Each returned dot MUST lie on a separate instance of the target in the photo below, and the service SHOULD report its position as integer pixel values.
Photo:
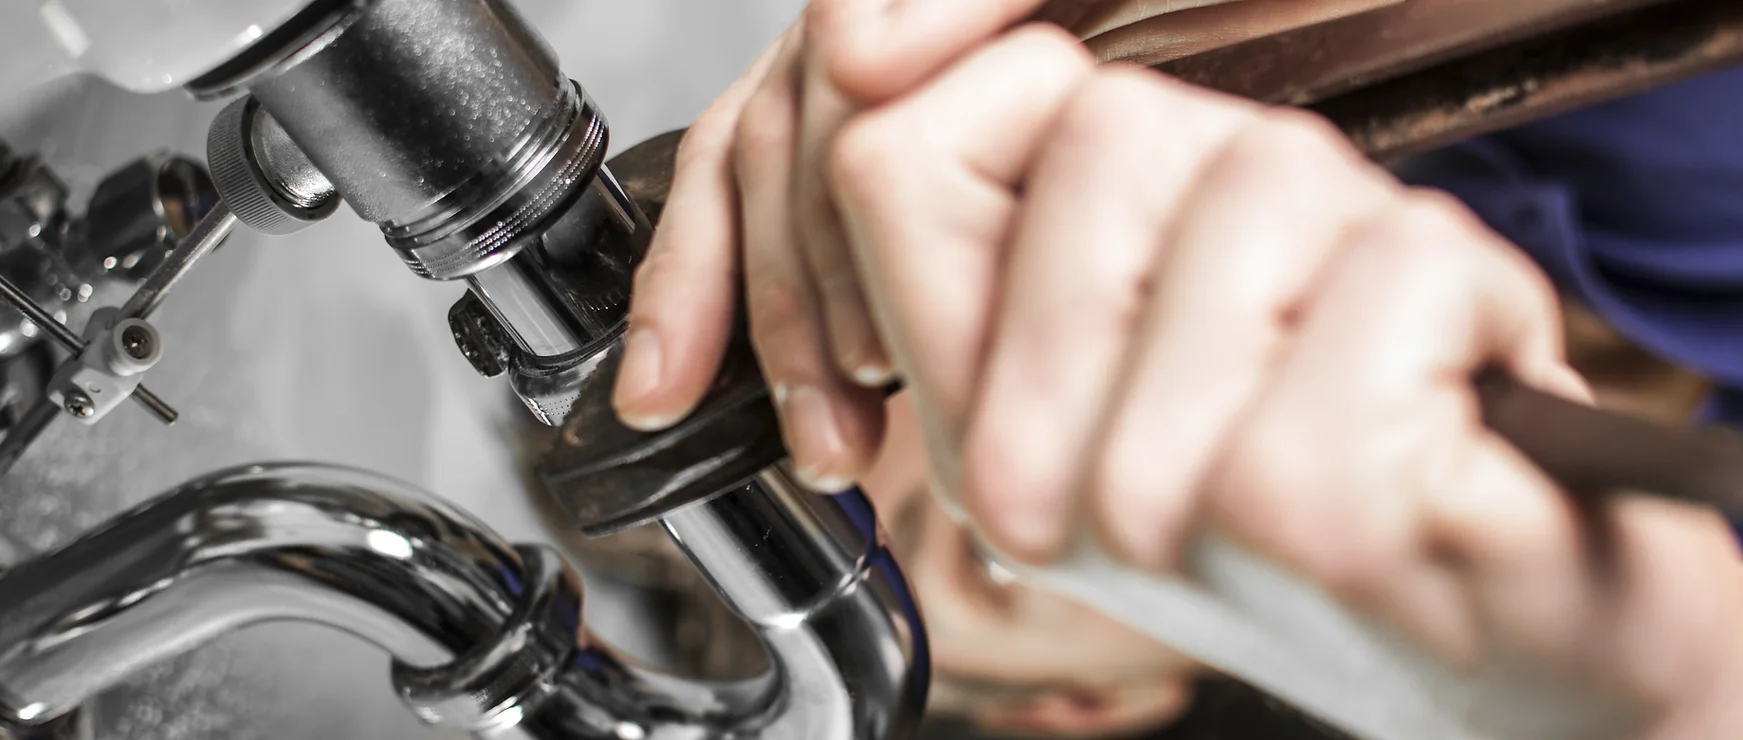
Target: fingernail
(874, 375)
(638, 379)
(815, 436)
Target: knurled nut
(241, 184)
(479, 336)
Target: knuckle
(712, 134)
(1109, 127)
(1426, 208)
(1279, 490)
(867, 151)
(1294, 141)
(1126, 486)
(717, 119)
(1117, 295)
(1320, 501)
(1122, 478)
(1110, 107)
(989, 476)
(1431, 241)
(1260, 462)
(666, 268)
(1433, 217)
(666, 286)
(1309, 127)
(1050, 43)
(705, 141)
(822, 14)
(1352, 572)
(1422, 237)
(837, 280)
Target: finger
(989, 628)
(853, 340)
(1127, 147)
(875, 50)
(897, 477)
(1648, 591)
(1372, 424)
(829, 425)
(682, 306)
(926, 188)
(1253, 239)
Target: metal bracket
(117, 353)
(122, 346)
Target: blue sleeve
(1635, 208)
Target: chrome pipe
(73, 726)
(485, 637)
(211, 231)
(447, 123)
(527, 309)
(355, 551)
(812, 577)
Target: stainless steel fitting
(448, 123)
(265, 179)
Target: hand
(749, 196)
(1000, 651)
(1134, 309)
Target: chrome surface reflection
(812, 577)
(485, 637)
(331, 546)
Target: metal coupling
(447, 123)
(140, 212)
(505, 679)
(263, 176)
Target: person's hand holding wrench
(1132, 310)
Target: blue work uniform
(1634, 208)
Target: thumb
(875, 50)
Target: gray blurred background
(320, 346)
